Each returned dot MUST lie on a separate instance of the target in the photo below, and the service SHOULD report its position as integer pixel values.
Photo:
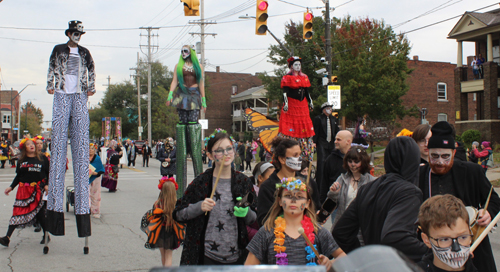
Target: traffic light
(261, 17)
(191, 7)
(308, 25)
(334, 79)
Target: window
(6, 119)
(474, 97)
(442, 117)
(441, 90)
(234, 89)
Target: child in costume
(279, 241)
(162, 230)
(216, 232)
(444, 222)
(295, 122)
(31, 175)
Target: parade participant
(131, 154)
(279, 241)
(4, 152)
(386, 209)
(467, 181)
(421, 134)
(483, 155)
(445, 229)
(110, 178)
(261, 172)
(162, 230)
(121, 149)
(286, 161)
(302, 175)
(216, 231)
(343, 191)
(146, 153)
(360, 133)
(333, 163)
(31, 176)
(325, 129)
(95, 181)
(187, 94)
(39, 141)
(167, 157)
(295, 122)
(71, 79)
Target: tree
(31, 119)
(368, 58)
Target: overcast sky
(24, 53)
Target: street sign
(334, 96)
(203, 123)
(140, 130)
(15, 129)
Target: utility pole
(328, 42)
(202, 34)
(138, 81)
(149, 29)
(109, 82)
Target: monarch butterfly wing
(267, 128)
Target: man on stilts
(187, 94)
(71, 80)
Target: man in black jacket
(325, 129)
(333, 163)
(386, 209)
(464, 180)
(146, 153)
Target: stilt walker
(187, 94)
(295, 121)
(71, 80)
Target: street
(116, 244)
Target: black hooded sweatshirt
(386, 209)
(331, 171)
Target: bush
(470, 136)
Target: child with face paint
(295, 122)
(286, 161)
(216, 232)
(279, 241)
(445, 229)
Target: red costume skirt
(27, 205)
(296, 122)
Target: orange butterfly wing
(268, 129)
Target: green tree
(31, 119)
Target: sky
(29, 29)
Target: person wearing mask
(286, 161)
(467, 181)
(386, 209)
(333, 163)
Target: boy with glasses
(443, 220)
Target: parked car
(138, 145)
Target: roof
(486, 18)
(248, 92)
(473, 25)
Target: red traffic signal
(307, 29)
(261, 17)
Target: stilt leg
(194, 141)
(181, 152)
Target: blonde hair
(166, 201)
(276, 209)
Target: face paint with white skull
(186, 52)
(453, 256)
(296, 66)
(294, 163)
(440, 160)
(75, 37)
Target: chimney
(217, 69)
(415, 58)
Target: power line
(242, 60)
(160, 12)
(252, 65)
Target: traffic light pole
(282, 45)
(328, 42)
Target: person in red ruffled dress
(295, 122)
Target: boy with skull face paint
(187, 94)
(443, 220)
(295, 122)
(466, 181)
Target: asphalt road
(116, 244)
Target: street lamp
(19, 111)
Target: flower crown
(292, 184)
(39, 137)
(165, 179)
(217, 130)
(23, 141)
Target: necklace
(279, 228)
(188, 68)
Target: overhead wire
(160, 12)
(242, 60)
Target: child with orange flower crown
(279, 242)
(162, 230)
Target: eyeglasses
(229, 151)
(443, 242)
(443, 156)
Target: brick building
(222, 86)
(9, 106)
(431, 90)
(483, 29)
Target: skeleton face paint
(296, 66)
(186, 52)
(453, 256)
(440, 160)
(294, 163)
(75, 37)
